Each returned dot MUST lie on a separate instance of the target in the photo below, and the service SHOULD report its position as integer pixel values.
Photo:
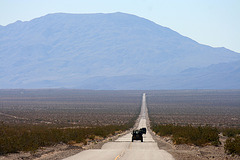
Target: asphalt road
(124, 149)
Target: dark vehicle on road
(137, 135)
(143, 130)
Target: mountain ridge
(65, 50)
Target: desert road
(124, 149)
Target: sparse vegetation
(29, 137)
(230, 132)
(217, 108)
(68, 107)
(37, 118)
(232, 145)
(197, 117)
(199, 136)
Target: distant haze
(109, 51)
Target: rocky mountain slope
(109, 51)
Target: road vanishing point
(124, 149)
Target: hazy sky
(211, 22)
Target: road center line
(117, 157)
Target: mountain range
(110, 51)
